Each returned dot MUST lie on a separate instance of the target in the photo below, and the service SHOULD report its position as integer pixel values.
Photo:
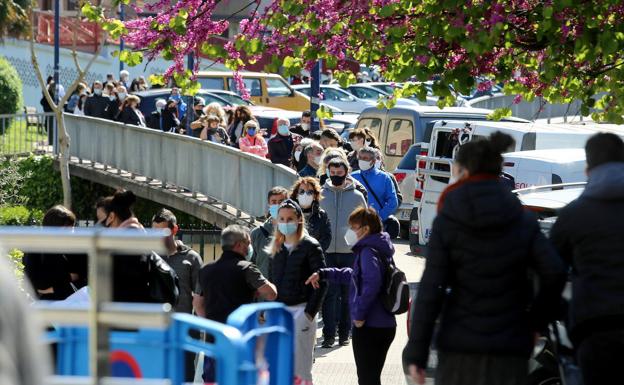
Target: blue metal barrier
(159, 353)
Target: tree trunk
(64, 141)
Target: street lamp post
(122, 15)
(190, 110)
(315, 90)
(57, 54)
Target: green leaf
(500, 113)
(158, 80)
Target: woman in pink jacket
(252, 140)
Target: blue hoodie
(381, 183)
(366, 280)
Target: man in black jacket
(96, 104)
(281, 145)
(588, 235)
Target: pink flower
(517, 99)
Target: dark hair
(483, 156)
(338, 162)
(59, 216)
(306, 114)
(359, 132)
(366, 216)
(121, 204)
(277, 190)
(164, 215)
(330, 133)
(309, 180)
(316, 135)
(603, 148)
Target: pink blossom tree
(560, 50)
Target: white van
(545, 167)
(448, 136)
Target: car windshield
(234, 99)
(409, 160)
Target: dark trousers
(336, 311)
(49, 123)
(600, 357)
(370, 347)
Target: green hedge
(11, 99)
(38, 187)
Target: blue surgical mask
(273, 211)
(175, 97)
(283, 130)
(251, 132)
(288, 228)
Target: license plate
(404, 215)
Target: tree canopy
(13, 17)
(560, 50)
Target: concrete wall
(17, 52)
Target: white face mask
(97, 91)
(297, 155)
(305, 126)
(122, 96)
(356, 146)
(378, 164)
(351, 237)
(305, 200)
(364, 165)
(317, 160)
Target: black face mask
(337, 180)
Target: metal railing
(221, 172)
(25, 134)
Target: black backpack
(395, 292)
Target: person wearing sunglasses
(307, 192)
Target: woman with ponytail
(483, 245)
(296, 256)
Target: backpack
(395, 292)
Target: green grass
(17, 139)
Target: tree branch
(74, 54)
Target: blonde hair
(331, 152)
(248, 125)
(215, 108)
(278, 238)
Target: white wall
(17, 52)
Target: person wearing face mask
(252, 140)
(230, 282)
(357, 139)
(298, 160)
(296, 255)
(382, 194)
(96, 104)
(130, 113)
(281, 145)
(124, 79)
(212, 131)
(340, 199)
(154, 121)
(170, 120)
(484, 246)
(323, 173)
(374, 327)
(180, 104)
(261, 236)
(312, 154)
(56, 276)
(307, 192)
(303, 128)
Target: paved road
(336, 366)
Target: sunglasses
(304, 192)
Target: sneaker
(328, 343)
(344, 342)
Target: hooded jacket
(382, 195)
(339, 203)
(365, 280)
(588, 235)
(254, 145)
(483, 245)
(260, 239)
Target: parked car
(342, 123)
(376, 91)
(545, 167)
(149, 97)
(265, 89)
(231, 97)
(267, 116)
(400, 127)
(336, 97)
(405, 174)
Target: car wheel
(404, 233)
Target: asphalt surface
(337, 367)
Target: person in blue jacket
(374, 327)
(382, 195)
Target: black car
(148, 99)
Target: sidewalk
(337, 367)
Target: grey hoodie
(260, 239)
(339, 203)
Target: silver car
(334, 96)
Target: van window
(444, 146)
(400, 137)
(253, 86)
(211, 83)
(277, 87)
(373, 123)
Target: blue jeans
(336, 311)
